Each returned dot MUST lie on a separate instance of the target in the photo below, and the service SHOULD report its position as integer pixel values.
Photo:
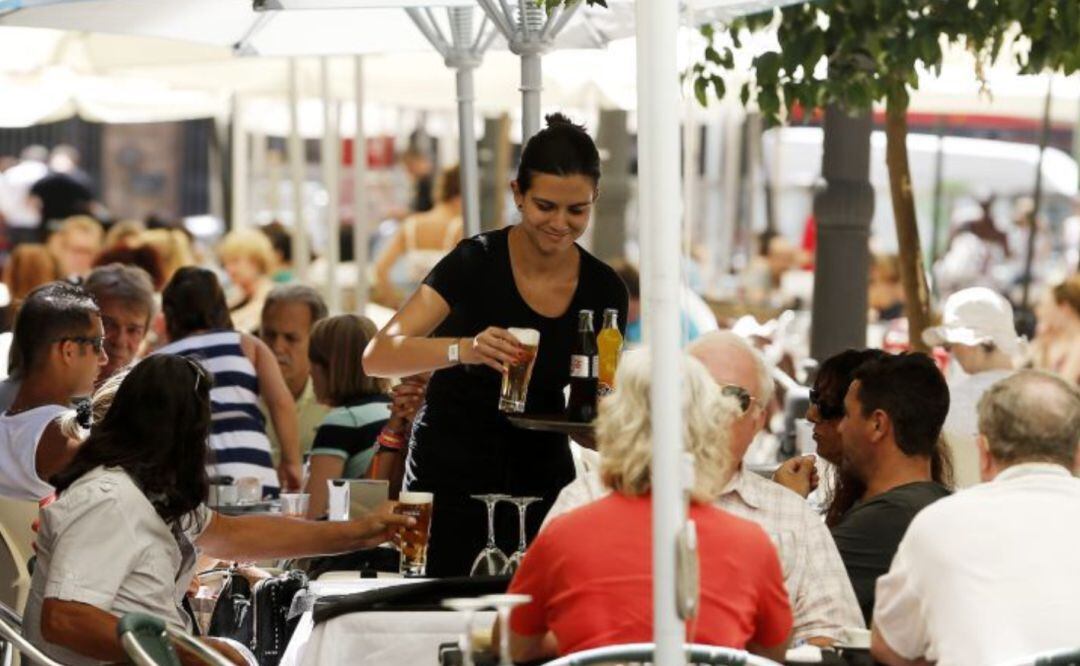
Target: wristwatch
(453, 352)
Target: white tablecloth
(382, 638)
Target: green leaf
(712, 55)
(718, 87)
(707, 31)
(767, 66)
(700, 91)
(744, 94)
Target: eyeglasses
(739, 393)
(827, 411)
(97, 342)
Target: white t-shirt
(962, 424)
(988, 575)
(19, 437)
(102, 543)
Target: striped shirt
(238, 443)
(349, 432)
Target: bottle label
(595, 370)
(579, 366)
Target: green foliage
(854, 53)
(552, 4)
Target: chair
(148, 640)
(642, 653)
(13, 640)
(16, 548)
(1067, 657)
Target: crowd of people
(142, 369)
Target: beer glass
(516, 375)
(413, 541)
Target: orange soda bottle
(609, 343)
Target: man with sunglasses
(822, 600)
(59, 349)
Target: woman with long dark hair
(530, 275)
(245, 370)
(130, 519)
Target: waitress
(530, 275)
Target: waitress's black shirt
(461, 443)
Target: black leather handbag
(271, 601)
(232, 616)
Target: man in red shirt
(589, 572)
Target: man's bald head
(732, 361)
(1031, 416)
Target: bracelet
(390, 440)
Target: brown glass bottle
(584, 366)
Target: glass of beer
(516, 375)
(413, 541)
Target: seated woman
(245, 370)
(248, 258)
(589, 571)
(362, 421)
(130, 520)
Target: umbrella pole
(301, 255)
(330, 182)
(1033, 229)
(470, 171)
(658, 142)
(239, 166)
(361, 222)
(531, 87)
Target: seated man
(288, 315)
(589, 572)
(820, 593)
(60, 343)
(125, 296)
(988, 575)
(893, 414)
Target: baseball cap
(976, 316)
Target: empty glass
(294, 505)
(503, 604)
(491, 561)
(515, 560)
(468, 607)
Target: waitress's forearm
(400, 356)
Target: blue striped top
(238, 443)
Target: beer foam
(526, 336)
(413, 497)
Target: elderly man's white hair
(717, 344)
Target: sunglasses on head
(740, 394)
(97, 342)
(827, 411)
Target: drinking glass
(413, 541)
(295, 505)
(249, 490)
(516, 375)
(490, 561)
(515, 560)
(468, 607)
(503, 604)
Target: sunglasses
(827, 411)
(97, 342)
(740, 394)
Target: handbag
(232, 616)
(273, 627)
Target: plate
(241, 509)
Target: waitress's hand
(494, 347)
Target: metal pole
(531, 87)
(939, 185)
(239, 160)
(330, 161)
(733, 135)
(658, 144)
(361, 222)
(470, 171)
(1033, 229)
(301, 254)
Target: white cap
(976, 316)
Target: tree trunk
(912, 272)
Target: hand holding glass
(516, 375)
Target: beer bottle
(583, 370)
(609, 341)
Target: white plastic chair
(642, 653)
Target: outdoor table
(380, 637)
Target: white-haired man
(987, 575)
(822, 599)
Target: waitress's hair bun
(563, 148)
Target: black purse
(271, 602)
(232, 616)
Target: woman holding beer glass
(532, 275)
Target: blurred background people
(420, 242)
(65, 191)
(125, 296)
(29, 266)
(22, 215)
(886, 293)
(1056, 347)
(75, 245)
(248, 259)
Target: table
(376, 637)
